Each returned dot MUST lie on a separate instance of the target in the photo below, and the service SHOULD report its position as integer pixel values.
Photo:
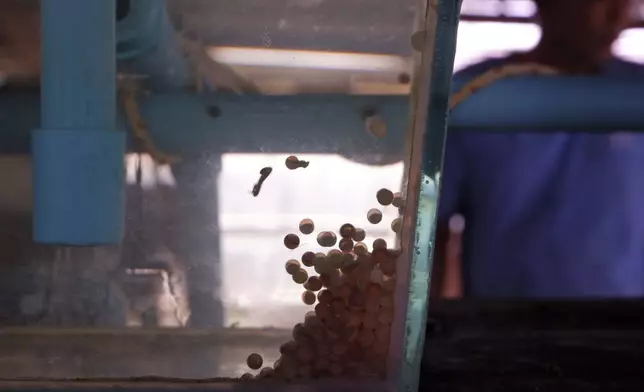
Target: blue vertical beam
(78, 153)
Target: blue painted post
(78, 153)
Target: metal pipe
(77, 152)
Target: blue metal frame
(77, 152)
(180, 122)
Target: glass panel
(272, 170)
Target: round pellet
(319, 258)
(359, 235)
(360, 248)
(286, 368)
(288, 347)
(396, 225)
(346, 244)
(314, 284)
(349, 261)
(291, 241)
(322, 310)
(301, 276)
(374, 216)
(311, 320)
(299, 333)
(308, 297)
(384, 196)
(292, 267)
(305, 354)
(334, 258)
(347, 230)
(327, 239)
(325, 297)
(307, 226)
(398, 200)
(379, 243)
(322, 265)
(246, 377)
(380, 254)
(254, 361)
(266, 372)
(331, 280)
(307, 259)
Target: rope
(205, 69)
(495, 74)
(138, 126)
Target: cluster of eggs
(347, 332)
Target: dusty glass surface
(256, 131)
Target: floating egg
(307, 259)
(359, 235)
(308, 297)
(374, 216)
(396, 225)
(307, 226)
(291, 241)
(327, 239)
(254, 361)
(347, 230)
(292, 267)
(384, 196)
(301, 276)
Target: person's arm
(446, 279)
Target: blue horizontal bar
(554, 103)
(182, 123)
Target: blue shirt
(548, 215)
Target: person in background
(552, 214)
(19, 41)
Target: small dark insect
(263, 175)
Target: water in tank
(235, 191)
